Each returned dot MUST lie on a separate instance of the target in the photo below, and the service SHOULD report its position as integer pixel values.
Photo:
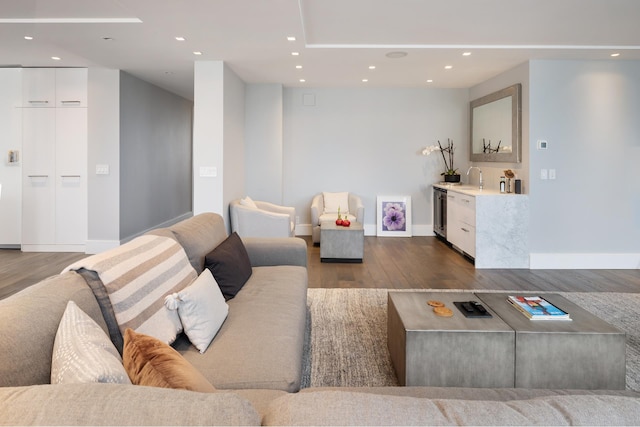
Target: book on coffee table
(537, 308)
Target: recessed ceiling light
(466, 54)
(295, 53)
(302, 80)
(28, 38)
(615, 55)
(291, 38)
(197, 52)
(180, 39)
(56, 58)
(372, 67)
(395, 55)
(299, 67)
(107, 39)
(168, 72)
(365, 80)
(430, 81)
(448, 67)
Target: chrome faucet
(480, 183)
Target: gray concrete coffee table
(447, 351)
(584, 353)
(341, 244)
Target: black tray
(475, 313)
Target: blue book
(537, 308)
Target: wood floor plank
(389, 262)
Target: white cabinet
(54, 202)
(461, 222)
(54, 87)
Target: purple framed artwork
(394, 216)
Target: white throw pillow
(83, 353)
(333, 201)
(248, 202)
(202, 309)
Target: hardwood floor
(389, 262)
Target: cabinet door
(38, 184)
(39, 87)
(71, 176)
(71, 87)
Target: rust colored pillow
(149, 361)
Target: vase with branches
(450, 173)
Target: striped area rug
(347, 344)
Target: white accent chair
(324, 207)
(261, 219)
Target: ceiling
(337, 40)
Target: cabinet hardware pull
(464, 229)
(70, 176)
(38, 176)
(70, 102)
(38, 102)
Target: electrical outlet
(544, 174)
(552, 174)
(102, 169)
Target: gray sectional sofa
(255, 363)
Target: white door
(71, 176)
(38, 182)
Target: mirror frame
(516, 131)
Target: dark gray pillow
(230, 265)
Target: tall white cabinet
(54, 159)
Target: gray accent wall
(155, 156)
(588, 112)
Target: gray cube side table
(585, 353)
(429, 350)
(341, 244)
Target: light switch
(543, 174)
(102, 169)
(552, 174)
(208, 171)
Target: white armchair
(261, 219)
(324, 207)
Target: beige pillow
(151, 362)
(248, 202)
(333, 201)
(83, 353)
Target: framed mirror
(495, 126)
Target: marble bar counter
(488, 226)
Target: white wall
(589, 217)
(234, 143)
(10, 174)
(367, 141)
(103, 149)
(263, 142)
(218, 137)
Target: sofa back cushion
(198, 235)
(29, 321)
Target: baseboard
(53, 248)
(371, 230)
(584, 261)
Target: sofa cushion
(260, 344)
(27, 347)
(248, 202)
(230, 265)
(335, 201)
(352, 408)
(151, 362)
(199, 235)
(202, 309)
(120, 405)
(83, 353)
(137, 277)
